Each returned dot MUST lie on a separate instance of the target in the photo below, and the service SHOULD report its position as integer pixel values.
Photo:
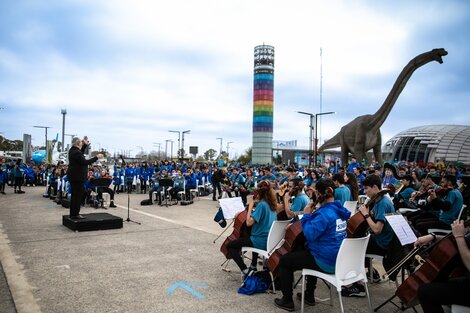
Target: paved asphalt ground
(49, 268)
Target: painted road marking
(186, 286)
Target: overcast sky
(129, 71)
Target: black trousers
(423, 225)
(77, 190)
(296, 261)
(107, 190)
(432, 296)
(216, 187)
(234, 249)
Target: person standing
(77, 173)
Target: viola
(240, 230)
(441, 262)
(357, 225)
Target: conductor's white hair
(75, 141)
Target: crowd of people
(436, 194)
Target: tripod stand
(129, 190)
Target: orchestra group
(314, 199)
(429, 200)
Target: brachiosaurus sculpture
(363, 133)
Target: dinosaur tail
(330, 143)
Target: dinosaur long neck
(381, 115)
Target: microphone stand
(129, 205)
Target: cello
(442, 262)
(292, 239)
(240, 230)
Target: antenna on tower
(321, 86)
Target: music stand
(165, 183)
(101, 183)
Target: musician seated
(237, 181)
(381, 232)
(402, 198)
(447, 291)
(342, 193)
(260, 220)
(101, 189)
(178, 185)
(294, 189)
(324, 230)
(448, 200)
(155, 187)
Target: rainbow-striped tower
(263, 105)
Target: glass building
(430, 143)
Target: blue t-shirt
(380, 208)
(456, 201)
(300, 202)
(343, 194)
(264, 217)
(406, 195)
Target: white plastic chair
(460, 309)
(275, 240)
(349, 269)
(351, 206)
(195, 192)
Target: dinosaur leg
(378, 153)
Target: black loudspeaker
(193, 149)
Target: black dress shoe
(112, 205)
(77, 217)
(285, 305)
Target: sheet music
(401, 228)
(231, 206)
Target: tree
(246, 156)
(209, 155)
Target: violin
(357, 225)
(442, 191)
(442, 262)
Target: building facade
(263, 104)
(430, 143)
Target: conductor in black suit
(77, 173)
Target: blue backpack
(253, 284)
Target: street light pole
(316, 139)
(228, 145)
(166, 148)
(159, 145)
(63, 112)
(310, 141)
(220, 150)
(179, 137)
(182, 142)
(47, 150)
